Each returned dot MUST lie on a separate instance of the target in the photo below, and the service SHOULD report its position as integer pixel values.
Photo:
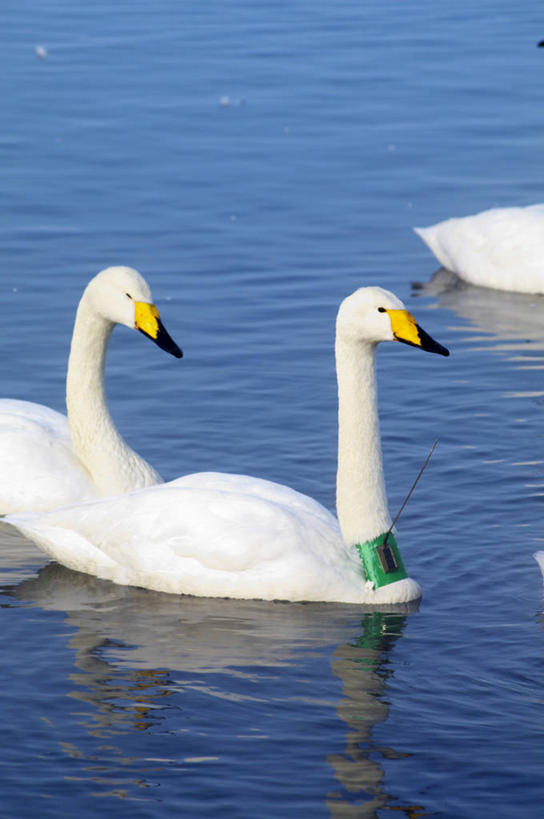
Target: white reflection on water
(139, 654)
(514, 320)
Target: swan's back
(39, 467)
(261, 489)
(501, 248)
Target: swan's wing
(54, 422)
(38, 468)
(258, 488)
(202, 541)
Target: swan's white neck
(114, 467)
(361, 500)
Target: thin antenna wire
(409, 495)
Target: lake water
(257, 162)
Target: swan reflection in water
(513, 319)
(174, 668)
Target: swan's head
(122, 296)
(372, 314)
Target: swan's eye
(381, 309)
(129, 296)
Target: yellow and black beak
(148, 322)
(406, 329)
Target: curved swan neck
(361, 499)
(114, 467)
(87, 360)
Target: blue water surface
(257, 162)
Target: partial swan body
(49, 460)
(222, 535)
(501, 248)
(539, 557)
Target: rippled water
(257, 162)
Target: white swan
(501, 248)
(219, 535)
(48, 460)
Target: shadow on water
(509, 317)
(138, 654)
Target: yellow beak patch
(404, 327)
(146, 318)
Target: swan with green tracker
(222, 535)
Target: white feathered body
(539, 557)
(502, 248)
(38, 467)
(213, 535)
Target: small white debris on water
(41, 52)
(228, 102)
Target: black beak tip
(165, 341)
(430, 345)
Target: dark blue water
(257, 162)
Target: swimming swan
(501, 248)
(218, 535)
(48, 460)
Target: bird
(501, 248)
(48, 459)
(224, 535)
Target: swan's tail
(432, 236)
(539, 557)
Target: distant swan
(220, 535)
(539, 557)
(501, 248)
(48, 460)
